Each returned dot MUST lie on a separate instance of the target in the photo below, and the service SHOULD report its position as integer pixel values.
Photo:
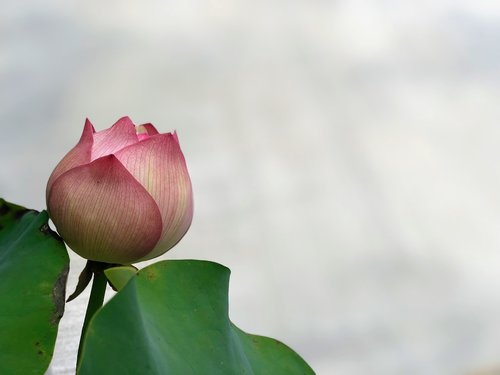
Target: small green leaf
(83, 281)
(172, 319)
(120, 276)
(34, 266)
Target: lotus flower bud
(121, 195)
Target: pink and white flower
(121, 195)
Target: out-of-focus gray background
(344, 157)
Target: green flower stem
(96, 299)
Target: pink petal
(120, 135)
(103, 213)
(150, 129)
(159, 165)
(175, 137)
(79, 155)
(145, 131)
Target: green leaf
(172, 319)
(34, 266)
(83, 281)
(120, 276)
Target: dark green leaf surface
(172, 319)
(33, 271)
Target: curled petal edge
(78, 155)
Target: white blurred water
(344, 158)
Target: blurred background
(344, 157)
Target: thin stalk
(95, 301)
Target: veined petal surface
(109, 141)
(159, 165)
(103, 213)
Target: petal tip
(150, 129)
(88, 130)
(88, 124)
(175, 136)
(125, 120)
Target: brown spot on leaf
(19, 213)
(45, 229)
(59, 296)
(151, 275)
(4, 208)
